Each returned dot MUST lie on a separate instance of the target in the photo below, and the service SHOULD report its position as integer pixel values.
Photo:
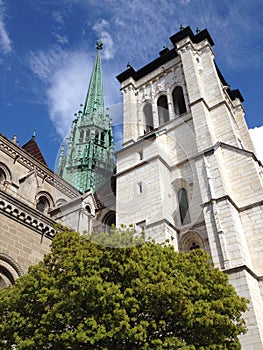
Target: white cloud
(109, 50)
(104, 35)
(148, 25)
(135, 31)
(57, 16)
(100, 26)
(61, 39)
(44, 64)
(257, 138)
(119, 22)
(66, 77)
(5, 42)
(67, 90)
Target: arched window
(178, 101)
(109, 221)
(97, 137)
(9, 270)
(2, 176)
(183, 206)
(81, 135)
(163, 113)
(6, 278)
(148, 117)
(190, 241)
(5, 175)
(102, 138)
(42, 204)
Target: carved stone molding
(27, 218)
(10, 261)
(20, 156)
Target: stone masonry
(193, 177)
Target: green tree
(86, 295)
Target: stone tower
(188, 172)
(87, 162)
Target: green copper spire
(95, 98)
(88, 161)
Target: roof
(166, 55)
(32, 148)
(195, 38)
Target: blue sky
(47, 50)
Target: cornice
(233, 203)
(23, 158)
(26, 216)
(241, 268)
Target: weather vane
(99, 44)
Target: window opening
(87, 134)
(178, 101)
(42, 204)
(183, 206)
(2, 176)
(102, 138)
(194, 246)
(148, 117)
(139, 187)
(88, 209)
(81, 135)
(163, 109)
(97, 137)
(109, 221)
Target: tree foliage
(142, 296)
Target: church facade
(187, 173)
(32, 200)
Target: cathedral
(187, 172)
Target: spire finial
(14, 139)
(34, 135)
(99, 44)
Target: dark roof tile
(32, 148)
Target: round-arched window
(148, 117)
(178, 101)
(9, 271)
(42, 204)
(163, 112)
(2, 176)
(109, 221)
